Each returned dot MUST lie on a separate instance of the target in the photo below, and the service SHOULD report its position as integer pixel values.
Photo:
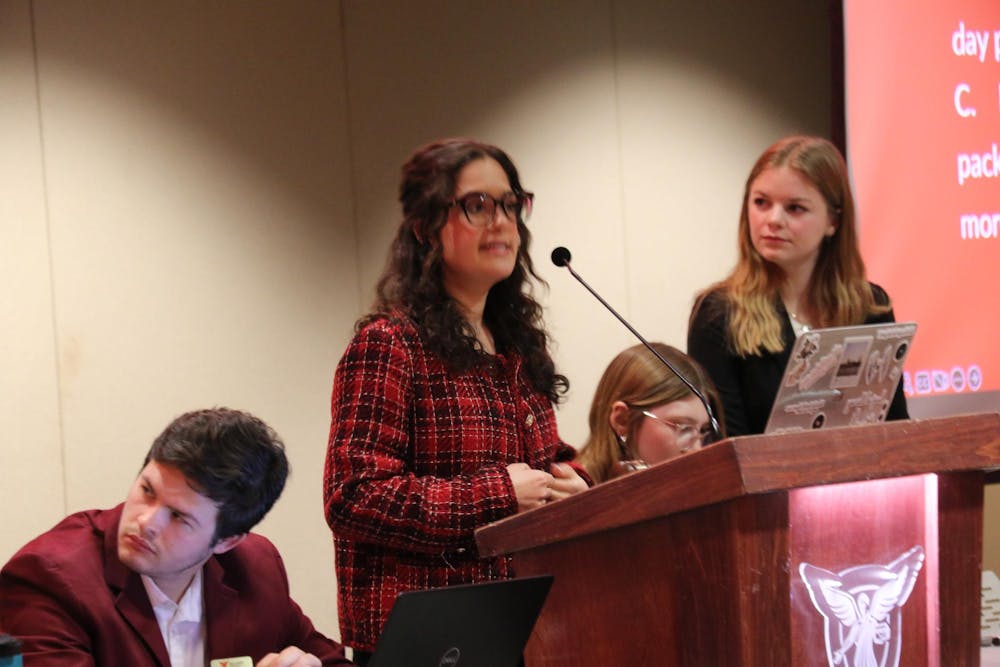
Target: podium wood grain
(691, 562)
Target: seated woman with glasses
(442, 416)
(642, 413)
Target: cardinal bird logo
(863, 608)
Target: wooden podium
(770, 550)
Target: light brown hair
(636, 377)
(839, 293)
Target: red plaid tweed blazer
(416, 461)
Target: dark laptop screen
(473, 625)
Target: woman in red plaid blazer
(442, 414)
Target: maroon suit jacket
(74, 604)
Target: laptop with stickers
(471, 625)
(841, 376)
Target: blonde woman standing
(799, 267)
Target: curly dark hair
(412, 282)
(230, 457)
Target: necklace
(484, 338)
(797, 324)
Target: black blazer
(748, 385)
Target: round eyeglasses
(480, 208)
(688, 437)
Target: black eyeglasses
(480, 208)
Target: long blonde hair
(839, 293)
(639, 379)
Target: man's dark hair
(230, 457)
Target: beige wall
(197, 198)
(32, 493)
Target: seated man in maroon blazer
(172, 577)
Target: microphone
(561, 257)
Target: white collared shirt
(182, 624)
